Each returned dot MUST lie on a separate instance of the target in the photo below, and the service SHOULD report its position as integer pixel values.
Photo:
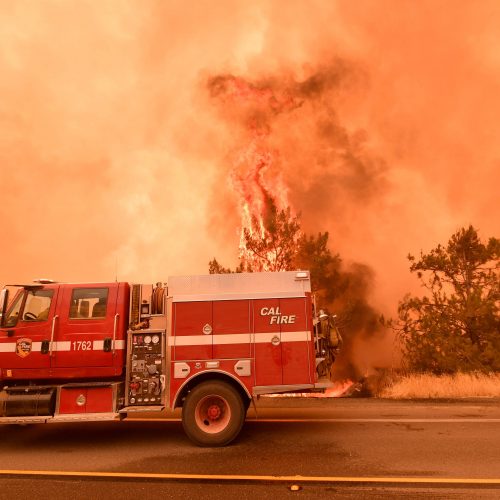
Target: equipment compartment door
(86, 327)
(267, 337)
(231, 337)
(295, 337)
(192, 325)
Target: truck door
(85, 329)
(267, 338)
(26, 333)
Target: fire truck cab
(208, 344)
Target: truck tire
(213, 414)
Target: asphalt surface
(354, 439)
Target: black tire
(213, 414)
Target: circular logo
(81, 400)
(207, 329)
(275, 340)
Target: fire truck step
(25, 420)
(82, 417)
(137, 409)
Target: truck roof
(239, 285)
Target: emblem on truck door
(23, 347)
(207, 329)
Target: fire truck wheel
(213, 414)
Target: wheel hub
(214, 412)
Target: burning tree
(270, 236)
(272, 247)
(269, 243)
(456, 326)
(276, 243)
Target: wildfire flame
(340, 388)
(255, 176)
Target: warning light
(302, 275)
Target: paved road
(351, 438)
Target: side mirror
(4, 296)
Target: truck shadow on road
(162, 447)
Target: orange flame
(259, 188)
(339, 389)
(255, 176)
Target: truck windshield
(14, 306)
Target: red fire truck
(208, 344)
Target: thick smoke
(107, 160)
(113, 160)
(328, 163)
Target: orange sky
(114, 156)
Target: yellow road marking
(381, 420)
(255, 478)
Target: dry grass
(460, 385)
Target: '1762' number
(82, 345)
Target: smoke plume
(270, 115)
